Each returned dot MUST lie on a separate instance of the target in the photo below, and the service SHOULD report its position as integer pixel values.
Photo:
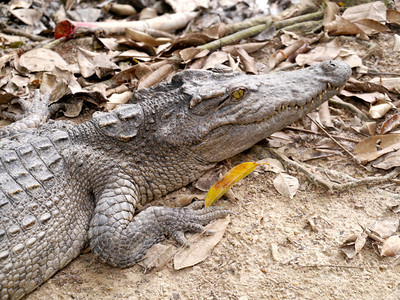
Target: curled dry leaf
(391, 123)
(354, 244)
(341, 26)
(247, 61)
(281, 55)
(391, 247)
(155, 77)
(367, 97)
(286, 185)
(139, 36)
(393, 16)
(381, 107)
(230, 178)
(331, 10)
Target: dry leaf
(157, 256)
(371, 26)
(341, 26)
(386, 227)
(41, 59)
(331, 10)
(392, 84)
(201, 245)
(228, 180)
(187, 6)
(389, 161)
(139, 36)
(380, 108)
(286, 185)
(396, 42)
(215, 59)
(279, 56)
(29, 16)
(247, 61)
(373, 147)
(319, 54)
(353, 245)
(155, 77)
(374, 11)
(393, 16)
(391, 123)
(367, 97)
(271, 165)
(116, 99)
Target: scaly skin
(63, 187)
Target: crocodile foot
(123, 248)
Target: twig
(318, 180)
(19, 32)
(335, 141)
(350, 107)
(321, 134)
(331, 266)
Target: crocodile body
(64, 187)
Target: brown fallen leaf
(390, 160)
(320, 53)
(393, 16)
(201, 245)
(373, 147)
(390, 124)
(216, 58)
(247, 61)
(155, 77)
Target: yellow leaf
(231, 177)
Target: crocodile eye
(238, 94)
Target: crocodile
(64, 187)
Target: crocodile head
(213, 116)
(218, 115)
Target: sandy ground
(306, 263)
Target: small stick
(321, 134)
(30, 36)
(335, 141)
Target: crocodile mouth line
(297, 107)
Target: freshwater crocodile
(64, 187)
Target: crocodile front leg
(121, 239)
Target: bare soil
(306, 263)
